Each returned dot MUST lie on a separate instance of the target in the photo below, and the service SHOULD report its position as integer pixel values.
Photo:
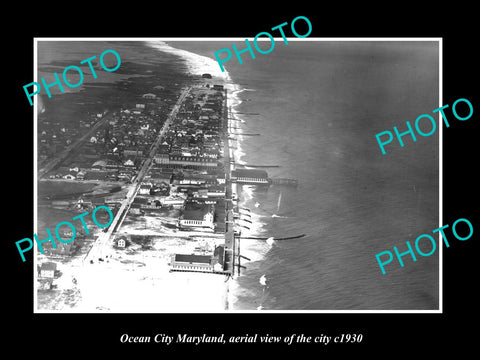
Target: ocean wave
(234, 102)
(240, 296)
(196, 64)
(254, 250)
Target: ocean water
(320, 106)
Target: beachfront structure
(250, 176)
(199, 263)
(197, 216)
(184, 262)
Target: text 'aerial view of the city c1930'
(258, 188)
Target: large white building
(197, 216)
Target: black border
(384, 334)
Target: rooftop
(195, 211)
(49, 266)
(203, 259)
(250, 173)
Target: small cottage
(47, 270)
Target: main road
(102, 245)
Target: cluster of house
(53, 135)
(61, 248)
(133, 131)
(106, 170)
(193, 139)
(188, 171)
(196, 146)
(116, 149)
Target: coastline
(253, 250)
(136, 283)
(202, 62)
(345, 188)
(109, 288)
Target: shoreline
(109, 287)
(224, 294)
(200, 63)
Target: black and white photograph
(236, 186)
(215, 180)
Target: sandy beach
(136, 283)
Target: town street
(101, 246)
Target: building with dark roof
(48, 269)
(198, 216)
(199, 263)
(191, 161)
(250, 176)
